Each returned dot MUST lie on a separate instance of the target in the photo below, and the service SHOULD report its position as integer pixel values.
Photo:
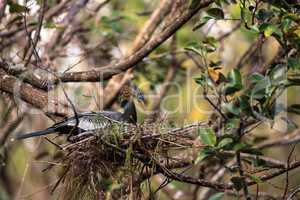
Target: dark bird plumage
(91, 121)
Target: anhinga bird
(94, 121)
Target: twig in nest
(97, 159)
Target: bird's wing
(111, 115)
(93, 120)
(88, 121)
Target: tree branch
(106, 72)
(31, 95)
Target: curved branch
(31, 95)
(288, 139)
(106, 72)
(117, 82)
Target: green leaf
(263, 14)
(244, 104)
(201, 80)
(194, 3)
(294, 63)
(204, 153)
(235, 82)
(217, 13)
(235, 77)
(295, 108)
(224, 142)
(268, 29)
(256, 179)
(278, 74)
(286, 24)
(292, 16)
(232, 108)
(217, 196)
(240, 146)
(230, 89)
(51, 24)
(211, 42)
(254, 28)
(238, 182)
(232, 123)
(256, 77)
(208, 136)
(116, 27)
(194, 47)
(201, 156)
(297, 32)
(246, 15)
(260, 89)
(16, 8)
(249, 150)
(202, 22)
(112, 24)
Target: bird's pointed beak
(143, 103)
(140, 96)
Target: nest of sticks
(94, 163)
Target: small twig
(2, 8)
(257, 192)
(141, 39)
(214, 106)
(67, 20)
(37, 34)
(261, 195)
(249, 52)
(60, 179)
(31, 42)
(257, 2)
(293, 193)
(269, 162)
(59, 147)
(73, 108)
(287, 139)
(236, 27)
(166, 84)
(239, 162)
(11, 128)
(287, 173)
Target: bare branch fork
(106, 72)
(153, 151)
(98, 74)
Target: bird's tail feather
(35, 134)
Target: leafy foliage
(245, 95)
(16, 8)
(242, 86)
(217, 196)
(208, 137)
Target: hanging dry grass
(93, 162)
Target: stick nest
(93, 162)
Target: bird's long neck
(129, 114)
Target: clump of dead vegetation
(95, 163)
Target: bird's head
(130, 92)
